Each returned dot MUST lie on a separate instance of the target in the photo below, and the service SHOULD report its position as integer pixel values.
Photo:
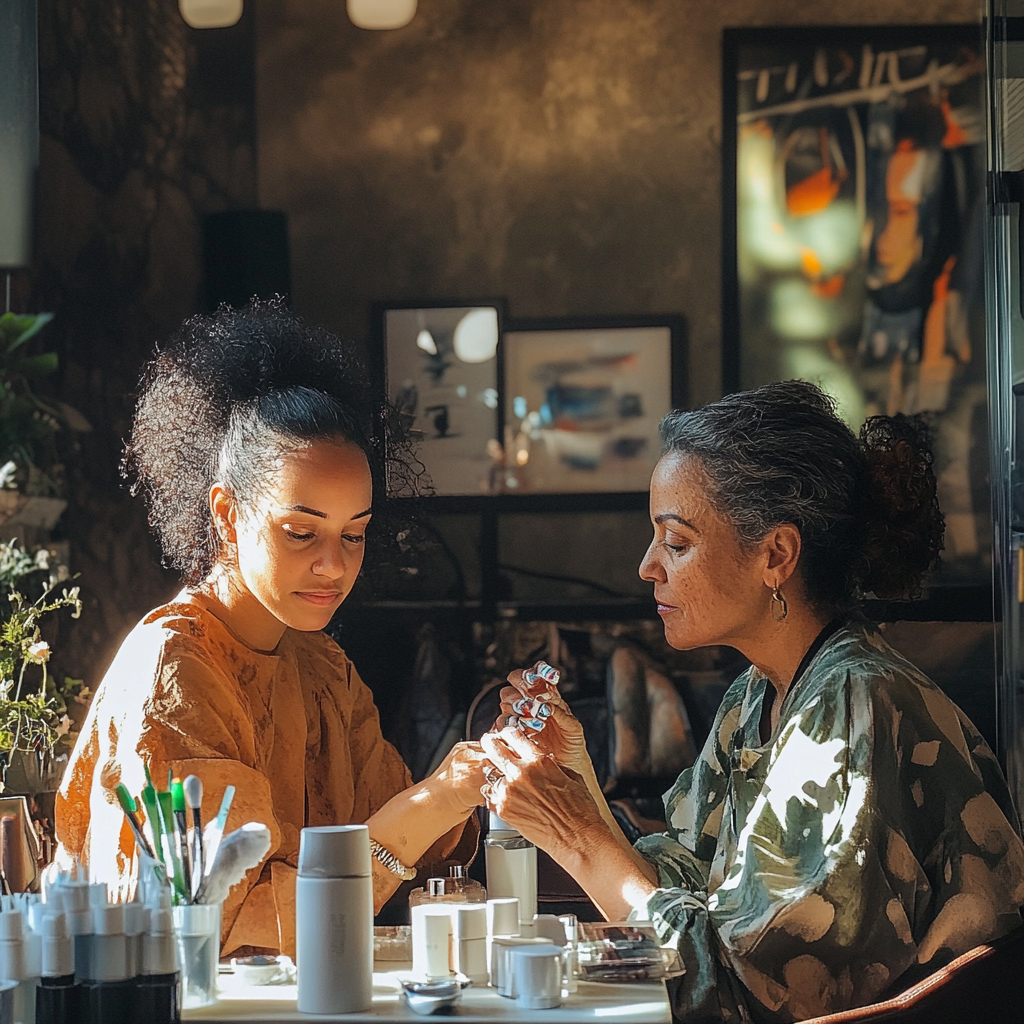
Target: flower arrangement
(33, 709)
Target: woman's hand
(546, 803)
(543, 717)
(460, 776)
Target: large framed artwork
(853, 229)
(441, 372)
(582, 400)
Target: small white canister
(334, 920)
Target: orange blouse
(295, 731)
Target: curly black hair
(225, 396)
(866, 507)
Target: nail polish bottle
(58, 996)
(108, 995)
(158, 987)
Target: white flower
(7, 474)
(39, 652)
(42, 559)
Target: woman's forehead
(321, 473)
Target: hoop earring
(779, 608)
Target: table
(637, 1003)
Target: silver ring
(493, 776)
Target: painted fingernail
(511, 721)
(531, 723)
(547, 672)
(522, 706)
(541, 710)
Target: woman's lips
(321, 598)
(666, 609)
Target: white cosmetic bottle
(512, 869)
(334, 920)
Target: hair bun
(903, 524)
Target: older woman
(845, 827)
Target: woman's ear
(782, 547)
(224, 513)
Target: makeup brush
(131, 809)
(181, 824)
(193, 787)
(166, 805)
(215, 829)
(240, 850)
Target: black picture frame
(378, 362)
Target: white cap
(159, 951)
(536, 976)
(495, 824)
(334, 851)
(436, 931)
(74, 897)
(58, 947)
(135, 918)
(12, 926)
(469, 920)
(108, 919)
(503, 916)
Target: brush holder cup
(197, 934)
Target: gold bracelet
(391, 862)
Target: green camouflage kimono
(872, 837)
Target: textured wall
(563, 153)
(133, 151)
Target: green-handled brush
(181, 832)
(131, 809)
(166, 805)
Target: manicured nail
(547, 672)
(511, 721)
(522, 706)
(531, 723)
(541, 710)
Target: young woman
(253, 445)
(845, 828)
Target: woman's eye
(681, 546)
(300, 536)
(353, 538)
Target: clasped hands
(531, 767)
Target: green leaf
(36, 366)
(21, 327)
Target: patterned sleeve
(817, 901)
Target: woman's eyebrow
(659, 519)
(308, 511)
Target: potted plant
(31, 468)
(34, 720)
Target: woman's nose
(331, 562)
(650, 568)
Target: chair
(984, 985)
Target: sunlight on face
(709, 587)
(300, 547)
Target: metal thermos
(334, 920)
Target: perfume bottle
(512, 869)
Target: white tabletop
(636, 1003)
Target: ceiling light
(380, 14)
(476, 336)
(210, 13)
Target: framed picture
(582, 400)
(442, 373)
(853, 229)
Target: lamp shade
(381, 14)
(19, 129)
(210, 13)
